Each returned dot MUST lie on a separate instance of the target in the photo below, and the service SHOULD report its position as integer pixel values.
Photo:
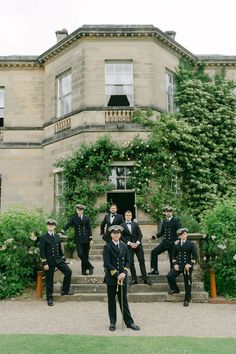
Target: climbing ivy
(187, 160)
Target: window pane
(120, 171)
(1, 97)
(64, 94)
(120, 183)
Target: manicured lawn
(75, 344)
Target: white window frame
(170, 91)
(2, 104)
(119, 80)
(58, 189)
(113, 178)
(64, 99)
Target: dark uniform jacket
(83, 230)
(116, 261)
(133, 236)
(184, 254)
(50, 250)
(117, 220)
(169, 229)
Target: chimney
(171, 34)
(61, 34)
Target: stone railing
(118, 116)
(62, 125)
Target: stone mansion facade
(86, 85)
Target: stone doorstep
(140, 297)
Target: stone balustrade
(118, 116)
(62, 125)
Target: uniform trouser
(173, 274)
(162, 247)
(111, 292)
(83, 254)
(140, 255)
(63, 267)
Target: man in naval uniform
(112, 218)
(116, 263)
(168, 229)
(184, 258)
(83, 237)
(52, 257)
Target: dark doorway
(124, 201)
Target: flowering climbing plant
(20, 230)
(219, 226)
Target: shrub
(219, 245)
(19, 253)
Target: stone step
(197, 296)
(91, 279)
(139, 288)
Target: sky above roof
(27, 27)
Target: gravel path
(91, 318)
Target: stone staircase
(92, 288)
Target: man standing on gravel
(116, 263)
(52, 257)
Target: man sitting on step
(184, 257)
(132, 236)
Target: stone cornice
(217, 60)
(13, 61)
(116, 31)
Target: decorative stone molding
(62, 125)
(118, 116)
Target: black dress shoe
(112, 327)
(154, 272)
(133, 326)
(185, 303)
(91, 270)
(147, 281)
(50, 302)
(70, 292)
(171, 292)
(133, 282)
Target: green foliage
(219, 224)
(207, 106)
(19, 252)
(87, 173)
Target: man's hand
(149, 238)
(121, 276)
(46, 267)
(62, 232)
(132, 245)
(187, 266)
(176, 266)
(176, 242)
